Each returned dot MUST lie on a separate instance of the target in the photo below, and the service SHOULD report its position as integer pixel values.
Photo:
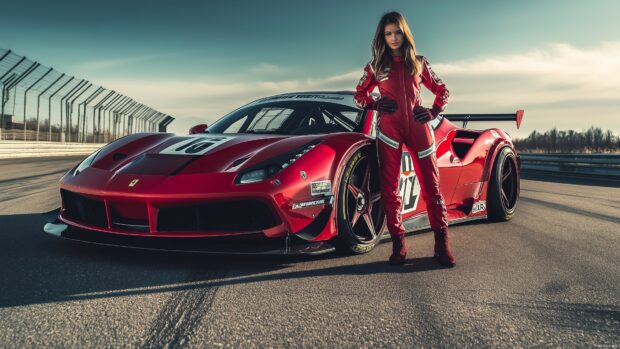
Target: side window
(351, 115)
(269, 119)
(235, 126)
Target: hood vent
(157, 164)
(237, 162)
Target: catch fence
(38, 103)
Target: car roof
(337, 97)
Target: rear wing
(518, 116)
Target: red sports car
(292, 173)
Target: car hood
(204, 153)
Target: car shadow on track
(38, 268)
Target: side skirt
(420, 222)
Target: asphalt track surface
(548, 278)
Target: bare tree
(593, 139)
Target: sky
(198, 60)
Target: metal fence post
(97, 110)
(118, 116)
(146, 120)
(130, 114)
(153, 121)
(5, 90)
(14, 83)
(39, 104)
(69, 94)
(136, 118)
(85, 103)
(70, 112)
(157, 120)
(107, 131)
(141, 119)
(49, 105)
(111, 120)
(123, 113)
(26, 95)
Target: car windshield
(289, 117)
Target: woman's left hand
(424, 115)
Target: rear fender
(499, 143)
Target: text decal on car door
(195, 145)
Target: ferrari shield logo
(133, 182)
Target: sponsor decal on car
(321, 188)
(305, 97)
(133, 183)
(479, 206)
(196, 145)
(327, 97)
(408, 185)
(318, 202)
(363, 248)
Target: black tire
(503, 190)
(361, 220)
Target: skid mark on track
(569, 209)
(19, 180)
(29, 186)
(556, 287)
(183, 312)
(586, 317)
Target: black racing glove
(385, 104)
(424, 115)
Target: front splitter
(257, 244)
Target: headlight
(258, 175)
(272, 167)
(86, 163)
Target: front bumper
(176, 218)
(247, 244)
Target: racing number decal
(408, 185)
(195, 145)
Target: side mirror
(198, 129)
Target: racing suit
(398, 128)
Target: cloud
(558, 86)
(559, 72)
(268, 69)
(210, 95)
(103, 64)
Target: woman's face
(393, 36)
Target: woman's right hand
(385, 104)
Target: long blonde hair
(381, 53)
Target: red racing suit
(400, 127)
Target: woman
(398, 72)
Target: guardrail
(20, 149)
(600, 165)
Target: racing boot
(399, 250)
(442, 248)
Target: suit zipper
(406, 106)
